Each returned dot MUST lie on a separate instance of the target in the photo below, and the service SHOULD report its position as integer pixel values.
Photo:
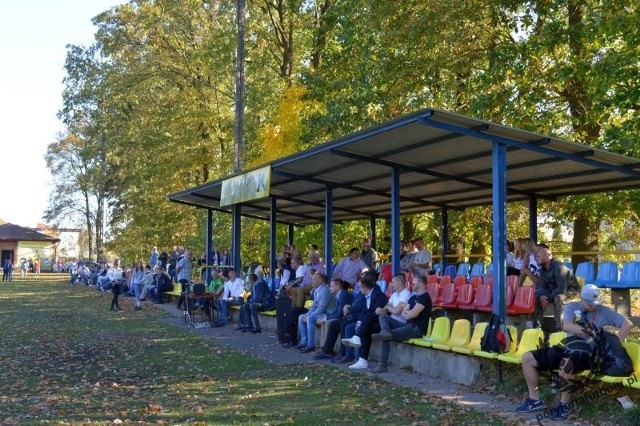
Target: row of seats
(459, 339)
(478, 296)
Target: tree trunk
(238, 123)
(585, 238)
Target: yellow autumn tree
(283, 136)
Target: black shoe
(244, 329)
(289, 345)
(138, 308)
(256, 330)
(322, 355)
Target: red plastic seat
(524, 302)
(459, 281)
(464, 298)
(432, 278)
(476, 282)
(448, 298)
(483, 301)
(509, 297)
(434, 291)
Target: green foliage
(157, 88)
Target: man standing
(421, 261)
(554, 279)
(579, 320)
(416, 313)
(183, 271)
(369, 255)
(350, 267)
(324, 303)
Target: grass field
(66, 359)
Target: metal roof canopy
(444, 161)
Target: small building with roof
(17, 242)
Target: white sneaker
(354, 342)
(360, 364)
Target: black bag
(284, 306)
(611, 359)
(198, 289)
(496, 336)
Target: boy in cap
(575, 355)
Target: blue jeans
(307, 329)
(399, 332)
(349, 332)
(224, 310)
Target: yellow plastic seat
(440, 333)
(513, 333)
(271, 313)
(474, 343)
(633, 349)
(557, 338)
(308, 304)
(460, 335)
(177, 290)
(532, 339)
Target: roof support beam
(422, 171)
(363, 190)
(429, 121)
(499, 230)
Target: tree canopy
(151, 101)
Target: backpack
(609, 356)
(496, 336)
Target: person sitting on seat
(416, 314)
(261, 299)
(324, 303)
(579, 320)
(231, 295)
(164, 283)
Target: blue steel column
(533, 218)
(372, 231)
(235, 237)
(395, 221)
(290, 235)
(272, 242)
(444, 234)
(499, 162)
(328, 231)
(209, 243)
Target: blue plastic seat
(463, 269)
(630, 276)
(607, 274)
(450, 270)
(587, 271)
(569, 265)
(477, 270)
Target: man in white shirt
(421, 262)
(301, 271)
(232, 294)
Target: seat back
(512, 280)
(630, 275)
(557, 337)
(461, 333)
(477, 269)
(509, 297)
(463, 269)
(465, 295)
(429, 327)
(432, 278)
(445, 279)
(459, 280)
(478, 332)
(633, 350)
(587, 271)
(441, 330)
(525, 298)
(433, 290)
(532, 338)
(448, 294)
(569, 265)
(488, 280)
(450, 270)
(513, 334)
(484, 296)
(437, 268)
(476, 282)
(489, 269)
(607, 274)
